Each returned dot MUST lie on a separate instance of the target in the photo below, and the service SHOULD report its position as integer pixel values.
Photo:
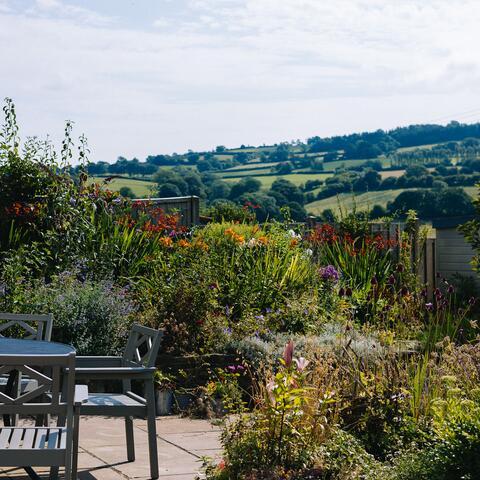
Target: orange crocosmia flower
(229, 232)
(263, 240)
(183, 243)
(293, 242)
(239, 238)
(166, 241)
(201, 245)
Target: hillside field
(295, 178)
(363, 201)
(141, 188)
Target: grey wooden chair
(28, 446)
(29, 327)
(137, 363)
(26, 325)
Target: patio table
(10, 346)
(15, 346)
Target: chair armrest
(119, 373)
(81, 394)
(98, 362)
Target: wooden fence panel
(187, 207)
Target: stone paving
(181, 445)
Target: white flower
(293, 234)
(308, 252)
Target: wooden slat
(4, 437)
(16, 438)
(53, 438)
(41, 438)
(62, 443)
(28, 438)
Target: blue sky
(141, 77)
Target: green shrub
(93, 316)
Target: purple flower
(429, 306)
(450, 289)
(227, 311)
(329, 273)
(374, 280)
(391, 279)
(259, 317)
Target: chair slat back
(142, 346)
(26, 325)
(34, 401)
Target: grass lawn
(141, 188)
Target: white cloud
(239, 71)
(62, 9)
(161, 23)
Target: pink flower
(301, 363)
(270, 388)
(288, 353)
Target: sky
(141, 77)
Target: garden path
(181, 445)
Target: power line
(460, 115)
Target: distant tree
(167, 190)
(283, 168)
(220, 149)
(373, 165)
(219, 189)
(312, 184)
(330, 157)
(328, 215)
(99, 168)
(127, 192)
(453, 202)
(241, 157)
(280, 154)
(377, 211)
(416, 171)
(297, 212)
(147, 169)
(289, 190)
(316, 164)
(245, 185)
(373, 180)
(266, 206)
(132, 167)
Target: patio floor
(181, 445)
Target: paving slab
(182, 442)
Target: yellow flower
(263, 240)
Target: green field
(141, 188)
(295, 178)
(251, 165)
(364, 201)
(347, 201)
(238, 175)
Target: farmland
(140, 188)
(296, 178)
